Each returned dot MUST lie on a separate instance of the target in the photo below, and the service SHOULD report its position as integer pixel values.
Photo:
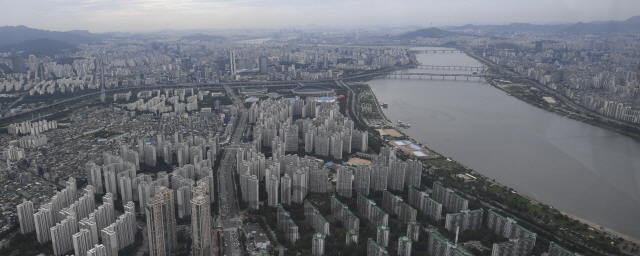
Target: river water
(581, 169)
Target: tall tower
(315, 61)
(285, 189)
(161, 222)
(232, 63)
(343, 185)
(264, 62)
(252, 189)
(33, 63)
(200, 225)
(17, 63)
(25, 217)
(273, 191)
(363, 179)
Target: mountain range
(39, 47)
(595, 27)
(14, 35)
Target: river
(581, 169)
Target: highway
(228, 200)
(560, 95)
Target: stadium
(314, 91)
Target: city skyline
(100, 16)
(318, 140)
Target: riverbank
(571, 111)
(566, 226)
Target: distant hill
(39, 47)
(426, 33)
(633, 20)
(595, 27)
(631, 24)
(14, 35)
(203, 37)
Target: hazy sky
(152, 15)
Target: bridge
(450, 67)
(431, 75)
(436, 51)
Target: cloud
(152, 15)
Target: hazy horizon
(98, 16)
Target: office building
(25, 217)
(17, 63)
(343, 183)
(538, 47)
(232, 63)
(465, 220)
(382, 237)
(318, 244)
(161, 223)
(404, 246)
(33, 64)
(264, 64)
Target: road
(564, 98)
(8, 108)
(193, 85)
(228, 200)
